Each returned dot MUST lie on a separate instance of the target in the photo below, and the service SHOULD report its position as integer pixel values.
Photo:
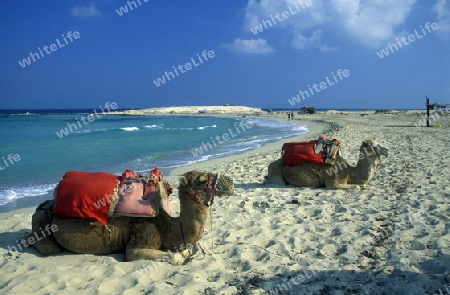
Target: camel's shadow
(319, 281)
(10, 241)
(401, 126)
(251, 185)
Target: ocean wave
(10, 194)
(91, 130)
(130, 128)
(300, 128)
(193, 128)
(204, 127)
(189, 162)
(154, 126)
(271, 123)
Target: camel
(161, 238)
(339, 176)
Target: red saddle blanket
(296, 153)
(320, 151)
(95, 194)
(86, 194)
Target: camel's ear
(183, 180)
(365, 143)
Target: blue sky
(117, 58)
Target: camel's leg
(302, 175)
(174, 258)
(40, 224)
(275, 173)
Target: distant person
(288, 115)
(292, 115)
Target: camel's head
(372, 147)
(202, 187)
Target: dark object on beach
(384, 111)
(433, 106)
(307, 110)
(295, 202)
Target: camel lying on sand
(162, 238)
(339, 176)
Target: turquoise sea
(39, 154)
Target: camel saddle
(138, 196)
(100, 195)
(322, 151)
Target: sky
(336, 54)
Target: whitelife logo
(243, 125)
(187, 67)
(53, 47)
(280, 16)
(322, 85)
(411, 38)
(71, 127)
(124, 9)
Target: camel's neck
(362, 173)
(193, 217)
(188, 228)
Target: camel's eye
(200, 182)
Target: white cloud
(315, 41)
(368, 22)
(371, 22)
(302, 42)
(299, 17)
(326, 48)
(442, 9)
(86, 11)
(259, 46)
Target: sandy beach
(390, 238)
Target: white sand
(192, 110)
(326, 244)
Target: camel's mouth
(223, 185)
(382, 150)
(376, 147)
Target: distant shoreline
(194, 110)
(176, 111)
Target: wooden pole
(428, 111)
